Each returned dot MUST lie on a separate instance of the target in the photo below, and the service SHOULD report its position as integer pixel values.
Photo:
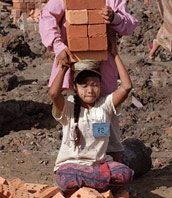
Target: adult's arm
(52, 15)
(123, 22)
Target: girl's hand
(63, 58)
(108, 14)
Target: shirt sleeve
(66, 113)
(50, 17)
(107, 104)
(123, 23)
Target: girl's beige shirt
(91, 149)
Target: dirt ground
(30, 137)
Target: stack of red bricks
(17, 189)
(25, 6)
(86, 30)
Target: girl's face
(88, 90)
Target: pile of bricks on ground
(27, 12)
(26, 6)
(86, 30)
(17, 189)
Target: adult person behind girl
(164, 36)
(118, 19)
(82, 158)
(53, 14)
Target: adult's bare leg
(153, 50)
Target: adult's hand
(63, 58)
(108, 14)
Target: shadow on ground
(155, 181)
(23, 115)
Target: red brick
(17, 5)
(95, 4)
(95, 17)
(86, 193)
(58, 195)
(1, 189)
(31, 6)
(3, 181)
(34, 188)
(15, 13)
(6, 191)
(78, 44)
(107, 194)
(93, 55)
(98, 43)
(49, 192)
(22, 194)
(18, 1)
(97, 30)
(76, 31)
(75, 4)
(77, 16)
(16, 183)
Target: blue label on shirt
(101, 129)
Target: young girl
(82, 159)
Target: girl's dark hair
(84, 74)
(77, 108)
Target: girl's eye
(84, 85)
(95, 85)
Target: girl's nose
(90, 89)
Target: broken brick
(107, 194)
(23, 194)
(49, 192)
(77, 16)
(58, 195)
(6, 191)
(18, 1)
(16, 183)
(85, 192)
(20, 6)
(34, 188)
(3, 181)
(15, 13)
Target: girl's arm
(117, 156)
(122, 92)
(55, 91)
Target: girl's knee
(66, 182)
(121, 174)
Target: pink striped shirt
(54, 39)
